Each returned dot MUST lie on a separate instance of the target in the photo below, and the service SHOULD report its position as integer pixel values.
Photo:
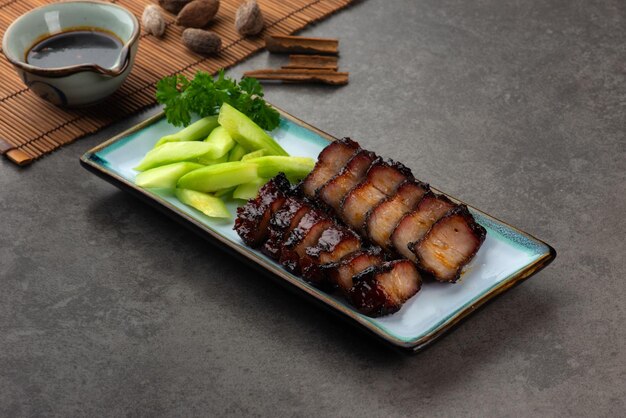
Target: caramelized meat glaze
(363, 226)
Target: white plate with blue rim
(507, 257)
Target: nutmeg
(173, 6)
(202, 41)
(198, 13)
(152, 20)
(249, 19)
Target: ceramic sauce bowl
(79, 84)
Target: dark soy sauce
(75, 47)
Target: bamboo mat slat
(31, 127)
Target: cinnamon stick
(302, 45)
(319, 62)
(300, 76)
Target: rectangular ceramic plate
(507, 257)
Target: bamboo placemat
(31, 127)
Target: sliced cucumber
(236, 153)
(221, 142)
(254, 154)
(293, 167)
(165, 176)
(194, 132)
(247, 133)
(205, 203)
(218, 176)
(225, 192)
(173, 152)
(206, 161)
(249, 190)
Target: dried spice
(319, 62)
(152, 20)
(202, 41)
(173, 6)
(302, 45)
(249, 19)
(300, 76)
(198, 13)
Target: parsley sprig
(204, 95)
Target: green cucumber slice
(194, 132)
(218, 176)
(205, 203)
(254, 154)
(173, 152)
(221, 142)
(225, 192)
(293, 167)
(247, 133)
(165, 176)
(236, 153)
(249, 190)
(206, 161)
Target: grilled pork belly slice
(449, 245)
(330, 161)
(282, 222)
(382, 180)
(303, 236)
(387, 175)
(334, 243)
(333, 192)
(253, 218)
(340, 274)
(358, 202)
(382, 290)
(381, 221)
(414, 225)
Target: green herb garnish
(204, 95)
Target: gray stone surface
(108, 308)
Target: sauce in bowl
(75, 47)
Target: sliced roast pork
(382, 290)
(340, 274)
(381, 181)
(449, 245)
(414, 225)
(330, 161)
(333, 192)
(253, 218)
(334, 243)
(282, 222)
(380, 202)
(303, 236)
(382, 220)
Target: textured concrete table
(108, 308)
